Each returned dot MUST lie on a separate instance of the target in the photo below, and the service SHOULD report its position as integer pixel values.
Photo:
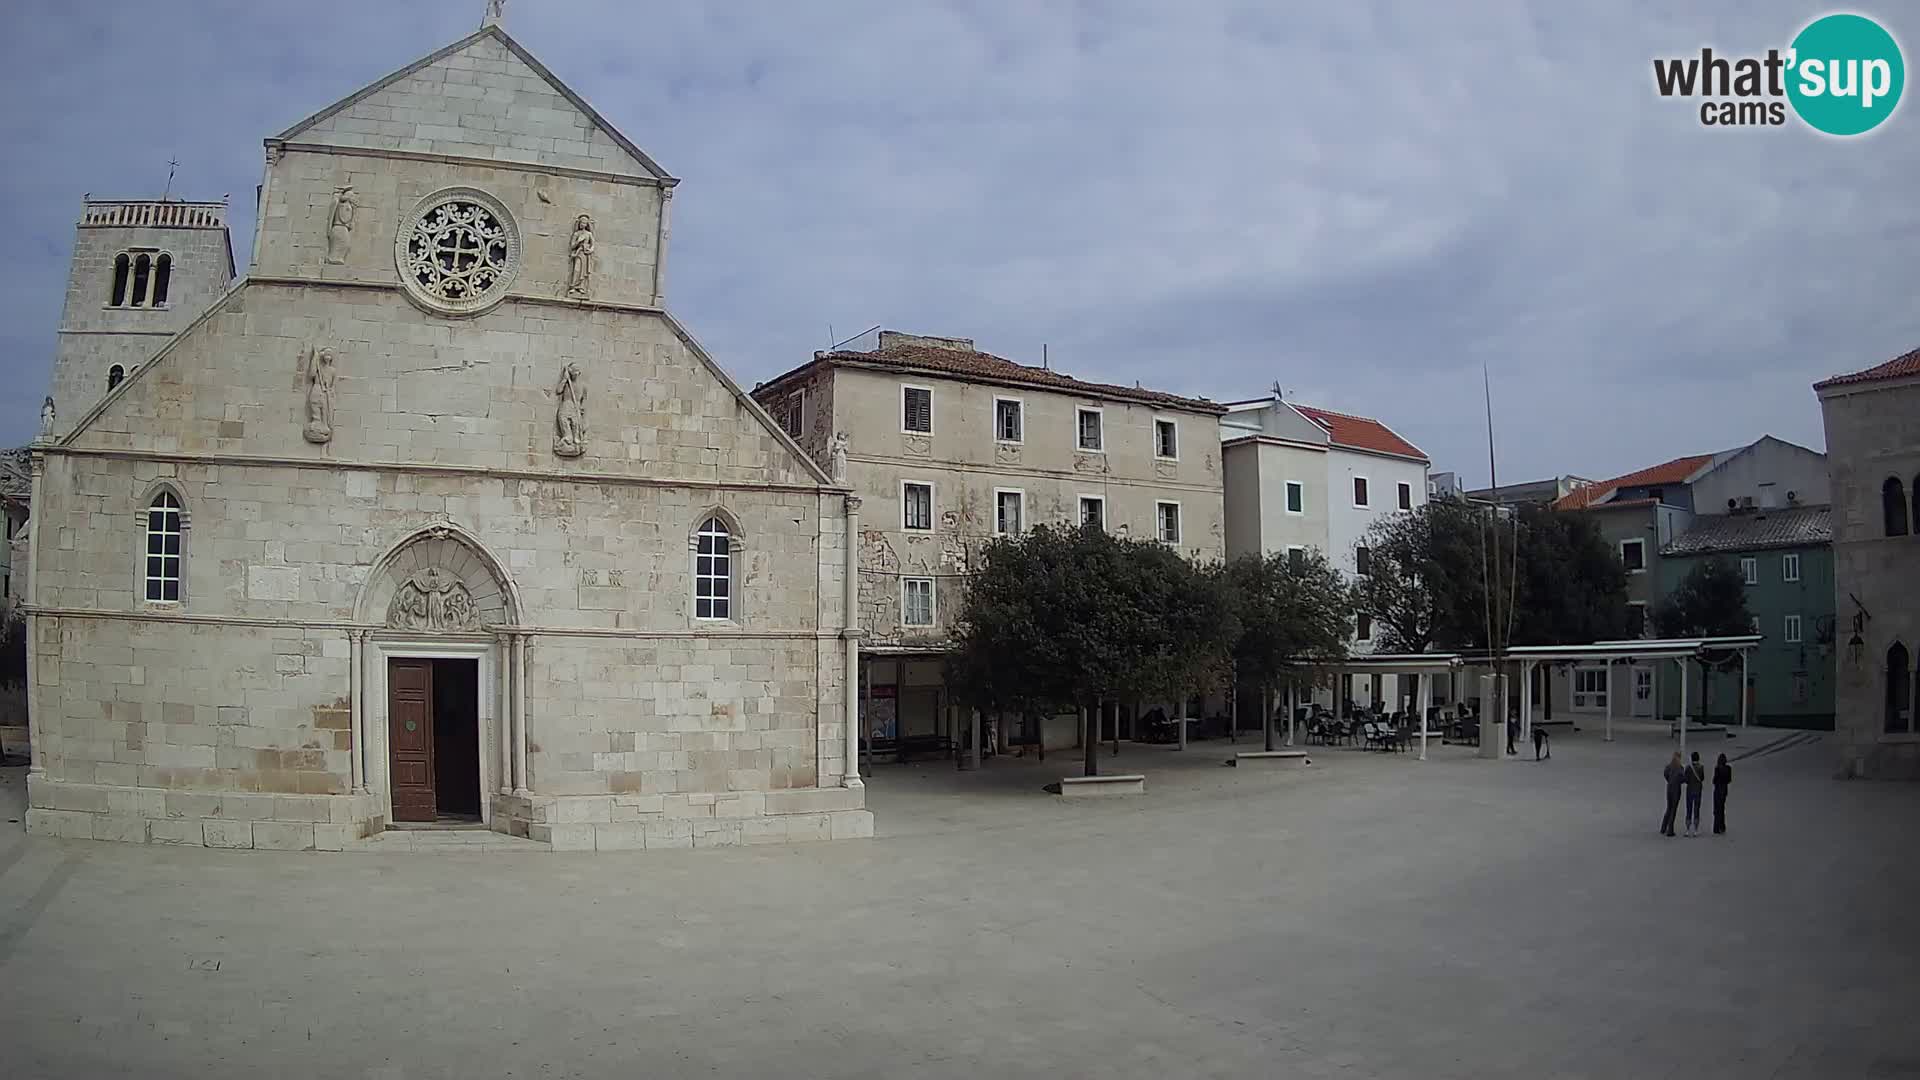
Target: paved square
(1369, 916)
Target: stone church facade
(438, 515)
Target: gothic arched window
(142, 271)
(1899, 691)
(713, 553)
(122, 266)
(162, 276)
(115, 375)
(1893, 506)
(165, 529)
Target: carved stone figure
(46, 416)
(570, 415)
(837, 457)
(340, 225)
(320, 373)
(435, 601)
(580, 256)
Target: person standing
(1696, 782)
(1676, 775)
(1722, 779)
(1540, 742)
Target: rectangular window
(1092, 436)
(1359, 491)
(1362, 561)
(1296, 559)
(916, 506)
(1636, 620)
(1168, 515)
(1590, 688)
(1009, 512)
(1406, 496)
(1009, 424)
(916, 410)
(1790, 568)
(1093, 512)
(1750, 570)
(1634, 554)
(1296, 497)
(1166, 439)
(793, 416)
(916, 601)
(1362, 626)
(1790, 633)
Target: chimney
(890, 338)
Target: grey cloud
(1363, 202)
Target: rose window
(458, 252)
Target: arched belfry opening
(437, 690)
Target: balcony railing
(158, 213)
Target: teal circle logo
(1845, 74)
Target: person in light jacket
(1722, 779)
(1676, 776)
(1696, 781)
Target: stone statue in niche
(837, 457)
(570, 415)
(580, 258)
(435, 601)
(340, 225)
(319, 381)
(46, 416)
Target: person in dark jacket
(1722, 779)
(1696, 782)
(1540, 742)
(1676, 775)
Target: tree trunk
(1266, 716)
(1091, 743)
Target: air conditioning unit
(1746, 502)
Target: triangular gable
(418, 108)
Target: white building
(1300, 477)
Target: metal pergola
(1424, 666)
(1633, 652)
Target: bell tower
(142, 270)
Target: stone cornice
(472, 162)
(394, 286)
(990, 470)
(380, 631)
(265, 461)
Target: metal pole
(1743, 691)
(1683, 709)
(1423, 685)
(1609, 735)
(1293, 706)
(1266, 718)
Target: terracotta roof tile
(1667, 472)
(978, 365)
(1796, 526)
(1360, 432)
(1899, 366)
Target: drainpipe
(850, 633)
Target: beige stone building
(438, 515)
(948, 447)
(1872, 421)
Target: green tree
(1711, 601)
(1572, 584)
(1293, 616)
(1070, 617)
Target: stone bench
(1086, 787)
(1274, 758)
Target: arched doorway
(436, 688)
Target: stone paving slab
(1374, 916)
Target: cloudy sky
(1362, 202)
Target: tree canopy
(1711, 601)
(1066, 617)
(1287, 610)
